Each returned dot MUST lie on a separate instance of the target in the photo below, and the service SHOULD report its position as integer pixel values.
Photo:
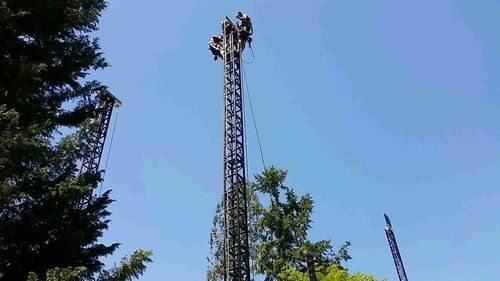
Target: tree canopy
(331, 273)
(282, 230)
(278, 231)
(47, 50)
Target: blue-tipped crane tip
(387, 220)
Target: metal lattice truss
(236, 250)
(92, 158)
(398, 262)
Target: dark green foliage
(282, 229)
(46, 52)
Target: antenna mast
(398, 262)
(229, 47)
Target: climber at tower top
(246, 23)
(245, 29)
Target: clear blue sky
(372, 106)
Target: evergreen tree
(277, 232)
(46, 52)
(282, 239)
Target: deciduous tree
(331, 273)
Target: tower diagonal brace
(236, 249)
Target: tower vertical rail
(92, 157)
(398, 262)
(236, 249)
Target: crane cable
(246, 158)
(253, 55)
(246, 185)
(253, 118)
(109, 150)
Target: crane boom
(398, 262)
(229, 47)
(92, 157)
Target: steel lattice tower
(97, 139)
(236, 250)
(398, 262)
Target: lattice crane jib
(97, 138)
(229, 47)
(391, 238)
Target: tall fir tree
(282, 230)
(47, 49)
